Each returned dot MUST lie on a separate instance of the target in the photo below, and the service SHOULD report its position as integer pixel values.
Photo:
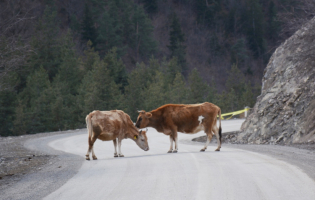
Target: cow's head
(141, 140)
(143, 119)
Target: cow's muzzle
(146, 149)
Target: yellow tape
(233, 113)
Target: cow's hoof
(175, 151)
(170, 151)
(120, 155)
(94, 158)
(202, 150)
(115, 156)
(217, 150)
(87, 158)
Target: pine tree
(273, 23)
(150, 6)
(255, 27)
(134, 96)
(172, 69)
(143, 41)
(177, 47)
(110, 34)
(7, 104)
(116, 68)
(46, 44)
(35, 98)
(178, 92)
(88, 28)
(156, 94)
(198, 88)
(98, 90)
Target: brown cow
(112, 125)
(190, 119)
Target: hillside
(62, 59)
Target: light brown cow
(113, 125)
(190, 119)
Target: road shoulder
(30, 169)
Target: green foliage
(255, 27)
(177, 47)
(98, 90)
(142, 39)
(134, 96)
(47, 44)
(198, 88)
(156, 93)
(117, 69)
(178, 91)
(239, 52)
(7, 110)
(88, 29)
(150, 6)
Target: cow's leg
(209, 137)
(175, 138)
(91, 143)
(171, 147)
(115, 147)
(119, 148)
(93, 154)
(216, 132)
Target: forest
(60, 60)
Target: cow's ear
(135, 137)
(148, 115)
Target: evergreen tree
(178, 92)
(36, 100)
(46, 44)
(150, 6)
(98, 90)
(90, 57)
(255, 27)
(88, 28)
(177, 47)
(172, 69)
(134, 96)
(198, 88)
(239, 52)
(156, 93)
(143, 41)
(7, 104)
(20, 125)
(110, 34)
(273, 24)
(117, 69)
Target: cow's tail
(89, 128)
(220, 129)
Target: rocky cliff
(285, 111)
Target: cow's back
(107, 125)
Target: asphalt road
(231, 173)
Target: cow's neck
(155, 122)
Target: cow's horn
(140, 132)
(139, 111)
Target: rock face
(285, 111)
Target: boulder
(284, 113)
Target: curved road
(188, 174)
